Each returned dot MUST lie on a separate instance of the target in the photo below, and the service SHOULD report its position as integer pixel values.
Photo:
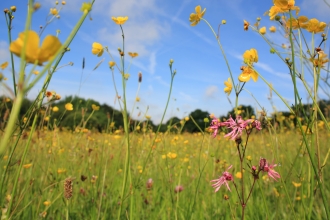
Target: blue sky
(160, 31)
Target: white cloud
(153, 63)
(211, 91)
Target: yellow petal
(244, 77)
(198, 9)
(49, 48)
(254, 76)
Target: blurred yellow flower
(63, 2)
(61, 170)
(148, 117)
(13, 8)
(112, 64)
(35, 72)
(68, 106)
(133, 55)
(55, 109)
(119, 20)
(229, 86)
(36, 6)
(247, 74)
(272, 29)
(262, 30)
(250, 56)
(195, 18)
(34, 54)
(97, 49)
(4, 65)
(320, 59)
(249, 158)
(296, 23)
(46, 118)
(53, 11)
(86, 7)
(7, 99)
(137, 99)
(314, 26)
(95, 107)
(296, 184)
(172, 155)
(238, 175)
(47, 203)
(26, 166)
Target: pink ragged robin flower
(226, 176)
(236, 126)
(215, 125)
(269, 168)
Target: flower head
(246, 25)
(215, 125)
(266, 167)
(53, 11)
(247, 73)
(281, 6)
(272, 29)
(320, 59)
(296, 23)
(195, 18)
(229, 86)
(133, 55)
(55, 109)
(178, 189)
(95, 107)
(236, 126)
(112, 64)
(97, 49)
(226, 176)
(250, 56)
(68, 106)
(34, 53)
(119, 20)
(262, 30)
(4, 65)
(314, 26)
(86, 7)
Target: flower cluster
(236, 126)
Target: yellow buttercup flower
(35, 72)
(195, 18)
(53, 11)
(281, 6)
(296, 23)
(13, 8)
(61, 170)
(95, 107)
(68, 106)
(320, 59)
(97, 49)
(55, 109)
(34, 53)
(26, 166)
(86, 7)
(4, 65)
(296, 184)
(47, 203)
(112, 64)
(272, 29)
(229, 86)
(314, 26)
(262, 30)
(119, 20)
(247, 74)
(238, 175)
(133, 55)
(250, 56)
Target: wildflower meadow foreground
(71, 158)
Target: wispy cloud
(211, 91)
(186, 97)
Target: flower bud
(13, 8)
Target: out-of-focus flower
(47, 203)
(53, 11)
(269, 168)
(223, 180)
(238, 175)
(61, 170)
(86, 7)
(247, 73)
(112, 64)
(272, 29)
(13, 8)
(314, 26)
(178, 189)
(119, 20)
(229, 86)
(262, 30)
(296, 184)
(149, 184)
(246, 25)
(68, 106)
(36, 6)
(95, 107)
(137, 99)
(133, 55)
(195, 18)
(295, 22)
(281, 6)
(320, 59)
(4, 65)
(63, 2)
(97, 49)
(55, 109)
(34, 54)
(172, 155)
(215, 125)
(35, 72)
(26, 166)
